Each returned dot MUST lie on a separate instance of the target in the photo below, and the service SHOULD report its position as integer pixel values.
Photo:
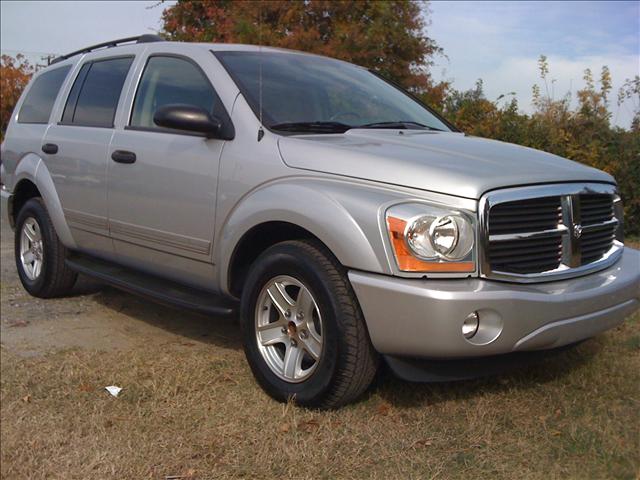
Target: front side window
(39, 101)
(94, 97)
(171, 80)
(311, 93)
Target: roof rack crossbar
(147, 38)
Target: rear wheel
(304, 334)
(39, 253)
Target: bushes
(583, 134)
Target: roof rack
(146, 38)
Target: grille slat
(551, 256)
(596, 243)
(502, 253)
(596, 208)
(544, 254)
(601, 236)
(521, 227)
(525, 216)
(507, 219)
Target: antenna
(261, 129)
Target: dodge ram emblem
(577, 230)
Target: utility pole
(47, 58)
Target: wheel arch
(299, 209)
(254, 242)
(32, 178)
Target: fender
(32, 168)
(341, 214)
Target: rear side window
(39, 101)
(95, 93)
(171, 80)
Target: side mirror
(188, 118)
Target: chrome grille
(533, 233)
(525, 215)
(526, 255)
(595, 208)
(596, 243)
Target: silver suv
(345, 220)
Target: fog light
(470, 325)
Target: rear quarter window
(40, 98)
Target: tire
(347, 361)
(54, 278)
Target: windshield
(307, 93)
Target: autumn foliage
(14, 76)
(388, 37)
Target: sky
(499, 42)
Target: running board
(152, 287)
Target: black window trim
(228, 129)
(219, 53)
(80, 77)
(90, 62)
(48, 122)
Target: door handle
(123, 156)
(50, 148)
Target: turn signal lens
(417, 241)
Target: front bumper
(423, 318)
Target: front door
(162, 183)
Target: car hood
(444, 162)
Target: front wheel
(304, 333)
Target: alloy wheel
(288, 329)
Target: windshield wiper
(401, 124)
(312, 127)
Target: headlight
(431, 239)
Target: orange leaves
(14, 76)
(388, 37)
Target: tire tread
(361, 361)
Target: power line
(24, 52)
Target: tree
(388, 37)
(14, 76)
(630, 90)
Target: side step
(152, 287)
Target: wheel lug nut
(294, 344)
(300, 316)
(303, 334)
(287, 313)
(283, 329)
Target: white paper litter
(113, 390)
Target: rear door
(25, 134)
(162, 196)
(81, 139)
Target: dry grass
(191, 408)
(633, 242)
